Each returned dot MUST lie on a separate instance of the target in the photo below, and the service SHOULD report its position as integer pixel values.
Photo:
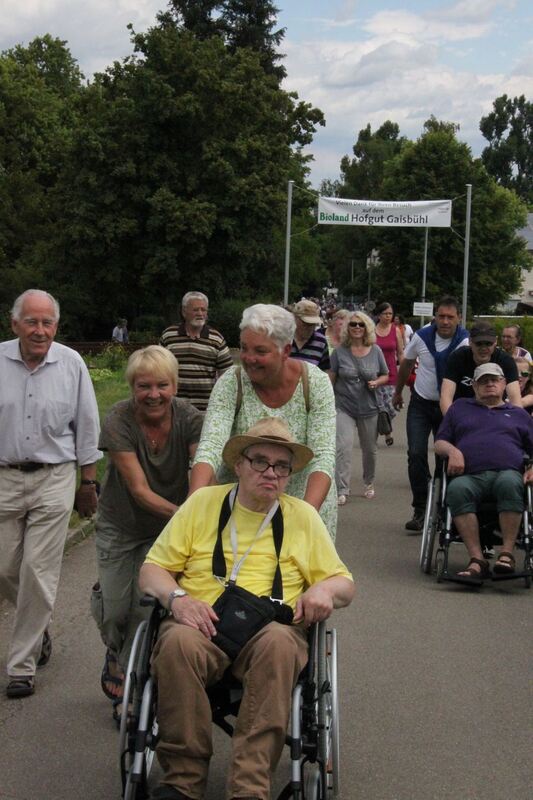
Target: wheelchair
(439, 530)
(313, 735)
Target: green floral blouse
(315, 428)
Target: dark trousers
(423, 418)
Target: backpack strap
(305, 385)
(238, 401)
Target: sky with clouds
(360, 61)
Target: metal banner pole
(288, 244)
(424, 273)
(464, 307)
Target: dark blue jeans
(423, 418)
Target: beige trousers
(185, 662)
(35, 509)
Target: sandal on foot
(117, 711)
(506, 567)
(474, 577)
(114, 680)
(46, 650)
(21, 687)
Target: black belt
(28, 466)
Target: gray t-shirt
(352, 394)
(166, 472)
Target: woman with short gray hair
(270, 383)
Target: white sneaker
(341, 500)
(369, 491)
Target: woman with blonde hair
(333, 331)
(358, 368)
(523, 366)
(150, 439)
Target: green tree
(509, 155)
(438, 166)
(37, 89)
(241, 23)
(177, 177)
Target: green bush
(225, 316)
(113, 357)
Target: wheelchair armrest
(147, 600)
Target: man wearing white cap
(485, 439)
(310, 344)
(275, 546)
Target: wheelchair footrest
(511, 576)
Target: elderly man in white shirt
(49, 423)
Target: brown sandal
(504, 567)
(474, 577)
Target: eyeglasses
(259, 464)
(483, 344)
(489, 379)
(356, 325)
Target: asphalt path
(435, 679)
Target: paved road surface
(435, 679)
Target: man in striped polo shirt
(201, 351)
(309, 344)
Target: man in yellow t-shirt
(178, 571)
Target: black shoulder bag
(242, 614)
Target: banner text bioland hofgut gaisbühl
(394, 213)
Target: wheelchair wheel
(136, 787)
(328, 710)
(138, 727)
(431, 524)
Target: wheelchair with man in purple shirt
(482, 494)
(439, 533)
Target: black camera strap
(219, 562)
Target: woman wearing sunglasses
(525, 380)
(357, 369)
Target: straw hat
(269, 430)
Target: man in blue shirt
(484, 440)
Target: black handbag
(384, 423)
(241, 613)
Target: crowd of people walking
(317, 381)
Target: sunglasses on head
(483, 344)
(356, 325)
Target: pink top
(389, 346)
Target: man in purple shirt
(484, 440)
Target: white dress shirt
(48, 414)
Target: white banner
(394, 213)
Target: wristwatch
(175, 593)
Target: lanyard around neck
(219, 562)
(237, 563)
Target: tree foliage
(166, 172)
(509, 155)
(36, 122)
(240, 23)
